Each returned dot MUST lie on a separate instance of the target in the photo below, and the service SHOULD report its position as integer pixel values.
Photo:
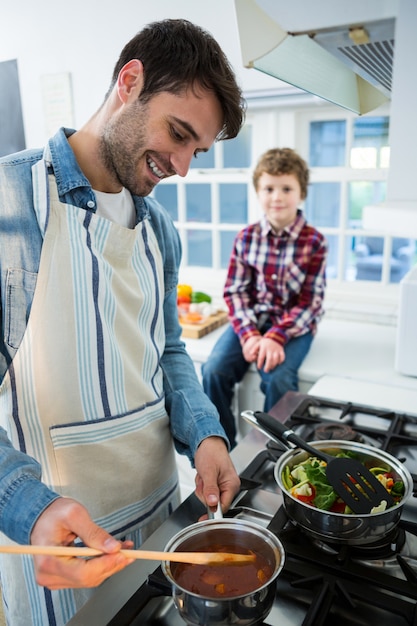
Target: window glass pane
(166, 194)
(233, 203)
(199, 248)
(198, 203)
(361, 158)
(369, 253)
(402, 258)
(385, 156)
(226, 246)
(203, 160)
(327, 143)
(360, 194)
(350, 258)
(370, 140)
(333, 253)
(237, 151)
(322, 205)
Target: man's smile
(154, 168)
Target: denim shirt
(192, 416)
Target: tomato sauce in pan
(224, 581)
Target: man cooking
(96, 383)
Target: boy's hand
(266, 352)
(250, 348)
(270, 354)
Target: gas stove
(321, 583)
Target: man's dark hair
(177, 55)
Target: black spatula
(351, 480)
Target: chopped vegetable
(191, 318)
(261, 576)
(190, 301)
(304, 492)
(184, 290)
(299, 473)
(398, 490)
(339, 507)
(183, 299)
(286, 478)
(380, 508)
(308, 483)
(200, 296)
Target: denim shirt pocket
(20, 289)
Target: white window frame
(285, 122)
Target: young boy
(274, 290)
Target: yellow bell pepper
(184, 290)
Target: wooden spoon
(200, 558)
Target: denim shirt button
(91, 204)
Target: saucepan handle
(217, 514)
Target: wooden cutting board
(195, 331)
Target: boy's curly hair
(279, 161)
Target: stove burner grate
(321, 584)
(387, 548)
(335, 577)
(335, 431)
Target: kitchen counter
(351, 349)
(400, 399)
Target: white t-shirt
(117, 207)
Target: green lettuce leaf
(325, 494)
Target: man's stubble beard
(122, 145)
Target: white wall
(403, 129)
(85, 37)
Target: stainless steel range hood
(367, 49)
(348, 65)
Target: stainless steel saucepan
(240, 608)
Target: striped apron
(84, 393)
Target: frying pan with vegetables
(356, 485)
(335, 523)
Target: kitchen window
(211, 204)
(355, 152)
(348, 158)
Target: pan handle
(250, 417)
(286, 434)
(217, 514)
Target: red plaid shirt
(278, 279)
